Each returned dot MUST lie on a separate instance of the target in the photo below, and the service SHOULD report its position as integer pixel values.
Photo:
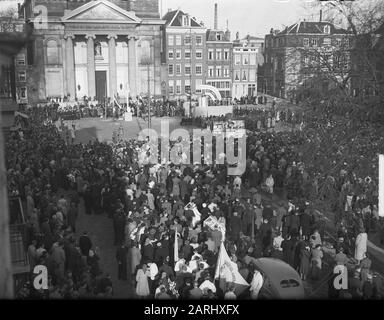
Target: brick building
(184, 54)
(247, 56)
(97, 49)
(14, 37)
(367, 58)
(219, 61)
(302, 56)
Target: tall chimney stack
(321, 16)
(215, 27)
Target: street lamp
(147, 61)
(190, 72)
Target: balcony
(13, 34)
(18, 237)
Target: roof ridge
(174, 17)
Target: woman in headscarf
(142, 287)
(361, 245)
(316, 262)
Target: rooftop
(174, 19)
(309, 27)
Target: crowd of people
(149, 205)
(114, 109)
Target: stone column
(91, 65)
(70, 65)
(132, 65)
(112, 65)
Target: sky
(255, 17)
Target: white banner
(212, 223)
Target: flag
(114, 99)
(176, 248)
(227, 272)
(23, 115)
(196, 214)
(215, 224)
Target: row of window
(176, 69)
(306, 42)
(220, 55)
(245, 59)
(335, 60)
(220, 84)
(188, 39)
(175, 87)
(245, 89)
(176, 54)
(244, 75)
(218, 72)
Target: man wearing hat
(121, 257)
(355, 285)
(368, 288)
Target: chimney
(227, 33)
(215, 22)
(321, 16)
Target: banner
(227, 272)
(23, 115)
(212, 223)
(120, 107)
(197, 215)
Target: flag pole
(176, 248)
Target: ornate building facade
(184, 54)
(97, 49)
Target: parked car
(281, 281)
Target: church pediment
(101, 11)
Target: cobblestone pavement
(100, 227)
(100, 230)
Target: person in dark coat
(96, 197)
(93, 263)
(47, 234)
(286, 219)
(73, 259)
(85, 244)
(187, 250)
(121, 257)
(72, 216)
(305, 223)
(119, 226)
(148, 251)
(88, 200)
(287, 246)
(294, 224)
(300, 244)
(268, 212)
(235, 226)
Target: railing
(8, 25)
(18, 244)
